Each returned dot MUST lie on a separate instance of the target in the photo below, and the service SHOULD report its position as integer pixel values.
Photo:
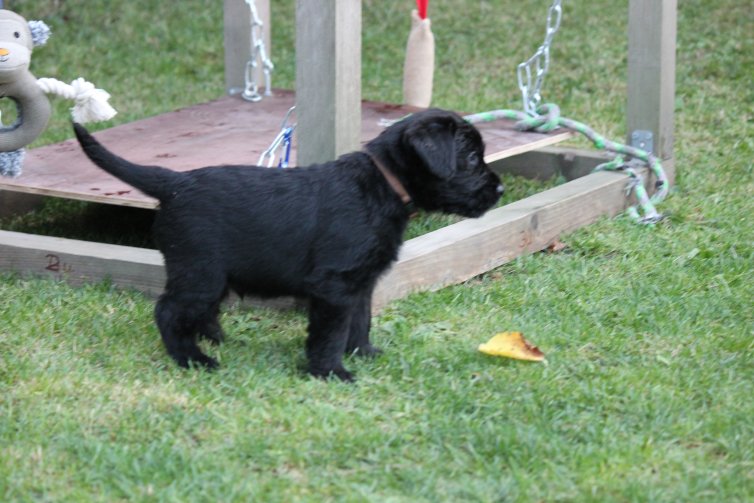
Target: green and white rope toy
(548, 118)
(545, 117)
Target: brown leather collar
(392, 180)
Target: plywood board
(226, 131)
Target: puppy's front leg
(361, 322)
(328, 335)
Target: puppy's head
(440, 159)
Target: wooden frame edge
(471, 247)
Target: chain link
(538, 63)
(258, 53)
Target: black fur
(325, 232)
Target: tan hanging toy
(17, 39)
(419, 67)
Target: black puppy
(325, 232)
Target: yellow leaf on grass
(512, 345)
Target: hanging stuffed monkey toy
(17, 39)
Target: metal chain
(539, 63)
(258, 53)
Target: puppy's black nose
(500, 189)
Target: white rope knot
(91, 104)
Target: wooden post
(328, 79)
(651, 71)
(237, 21)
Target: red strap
(421, 6)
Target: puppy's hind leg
(188, 307)
(178, 320)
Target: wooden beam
(237, 40)
(81, 261)
(651, 71)
(328, 79)
(471, 247)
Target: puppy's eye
(472, 158)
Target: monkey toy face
(16, 43)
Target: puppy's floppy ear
(433, 141)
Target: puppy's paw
(344, 375)
(197, 361)
(367, 351)
(340, 373)
(215, 337)
(207, 362)
(212, 332)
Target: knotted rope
(91, 104)
(547, 118)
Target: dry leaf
(556, 246)
(512, 345)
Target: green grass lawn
(648, 331)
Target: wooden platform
(232, 131)
(226, 131)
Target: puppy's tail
(152, 180)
